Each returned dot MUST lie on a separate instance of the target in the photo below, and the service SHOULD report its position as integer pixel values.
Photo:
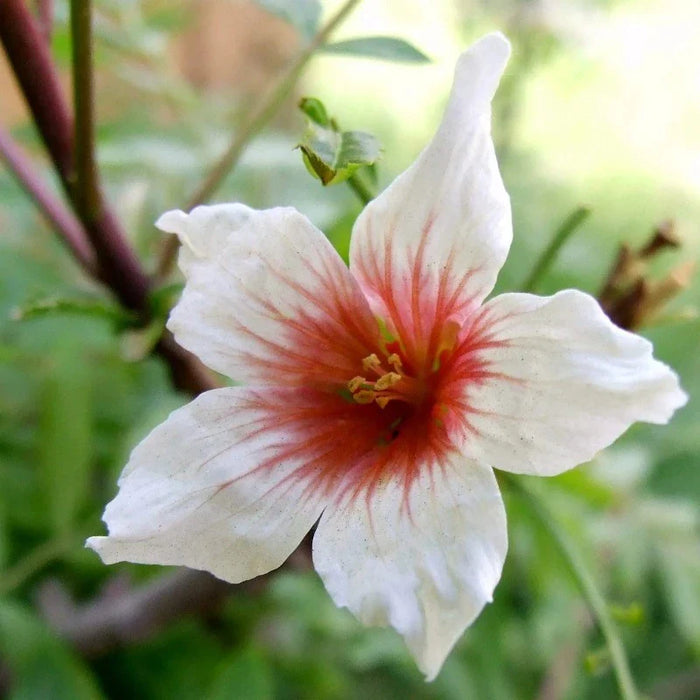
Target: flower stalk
(549, 254)
(586, 582)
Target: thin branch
(118, 266)
(45, 15)
(87, 192)
(586, 583)
(37, 559)
(121, 617)
(61, 218)
(29, 57)
(561, 235)
(188, 374)
(258, 117)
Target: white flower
(376, 400)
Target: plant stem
(31, 63)
(586, 583)
(61, 218)
(360, 188)
(561, 235)
(36, 560)
(258, 117)
(87, 193)
(45, 12)
(263, 112)
(118, 267)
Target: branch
(87, 193)
(61, 218)
(45, 12)
(117, 265)
(120, 616)
(29, 57)
(259, 116)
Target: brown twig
(37, 77)
(45, 12)
(117, 265)
(122, 616)
(61, 218)
(108, 621)
(31, 62)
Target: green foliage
(330, 154)
(43, 666)
(304, 15)
(386, 48)
(73, 402)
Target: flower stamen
(365, 392)
(372, 363)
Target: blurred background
(599, 107)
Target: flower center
(391, 382)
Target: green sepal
(330, 154)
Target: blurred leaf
(315, 110)
(41, 665)
(680, 573)
(304, 15)
(98, 308)
(632, 614)
(247, 675)
(332, 155)
(387, 48)
(65, 440)
(598, 662)
(162, 299)
(4, 535)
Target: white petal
(204, 490)
(425, 565)
(204, 231)
(267, 299)
(563, 382)
(438, 235)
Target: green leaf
(65, 438)
(303, 15)
(78, 306)
(246, 675)
(386, 48)
(41, 666)
(680, 575)
(315, 110)
(330, 154)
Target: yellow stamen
(382, 401)
(395, 361)
(355, 383)
(364, 396)
(371, 362)
(387, 380)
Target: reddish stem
(62, 219)
(118, 266)
(30, 59)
